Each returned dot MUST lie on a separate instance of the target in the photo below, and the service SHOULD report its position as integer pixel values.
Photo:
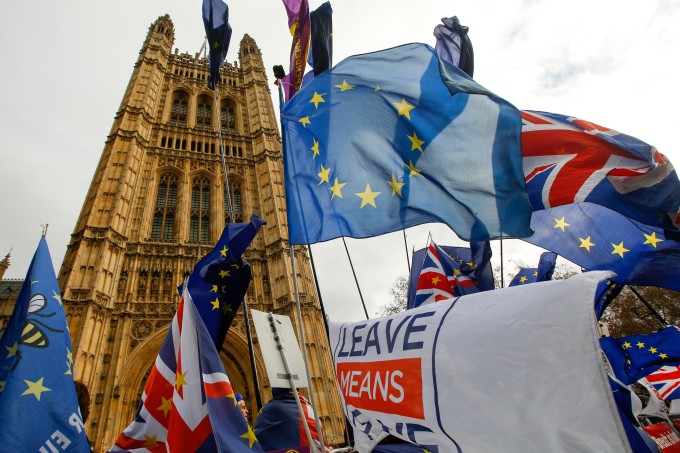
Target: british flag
(666, 381)
(188, 404)
(567, 160)
(441, 278)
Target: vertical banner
(517, 369)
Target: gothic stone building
(156, 205)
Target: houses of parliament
(156, 205)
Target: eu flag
(218, 32)
(542, 273)
(597, 238)
(397, 138)
(220, 279)
(525, 276)
(38, 404)
(637, 356)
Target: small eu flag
(218, 33)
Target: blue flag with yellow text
(38, 404)
(398, 138)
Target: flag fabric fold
(188, 403)
(39, 408)
(666, 381)
(430, 376)
(439, 277)
(568, 160)
(637, 356)
(597, 238)
(542, 273)
(321, 58)
(299, 24)
(220, 279)
(369, 150)
(218, 34)
(454, 45)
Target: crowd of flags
(367, 151)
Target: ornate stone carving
(141, 329)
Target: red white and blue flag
(441, 278)
(567, 160)
(666, 381)
(188, 403)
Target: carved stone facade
(156, 205)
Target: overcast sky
(68, 63)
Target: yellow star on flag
(619, 249)
(180, 379)
(250, 435)
(412, 169)
(150, 441)
(166, 406)
(396, 186)
(652, 239)
(317, 99)
(522, 279)
(223, 252)
(2, 386)
(367, 197)
(535, 274)
(404, 108)
(640, 345)
(626, 345)
(215, 303)
(561, 223)
(652, 350)
(663, 356)
(315, 148)
(377, 88)
(214, 289)
(435, 280)
(324, 175)
(58, 297)
(12, 350)
(585, 243)
(345, 86)
(304, 121)
(337, 188)
(416, 143)
(69, 356)
(35, 388)
(224, 273)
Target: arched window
(199, 227)
(163, 227)
(179, 108)
(228, 116)
(204, 112)
(236, 202)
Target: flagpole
(502, 278)
(301, 328)
(244, 304)
(363, 304)
(651, 309)
(408, 263)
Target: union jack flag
(666, 381)
(188, 403)
(441, 278)
(567, 160)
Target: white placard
(276, 371)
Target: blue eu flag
(397, 138)
(542, 273)
(597, 238)
(218, 33)
(221, 278)
(38, 404)
(637, 356)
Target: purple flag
(300, 28)
(454, 45)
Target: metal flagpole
(408, 263)
(502, 277)
(301, 326)
(246, 318)
(363, 304)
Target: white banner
(512, 370)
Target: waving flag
(636, 356)
(38, 404)
(300, 26)
(451, 377)
(597, 238)
(440, 278)
(369, 150)
(454, 45)
(218, 33)
(221, 278)
(322, 38)
(666, 381)
(568, 160)
(542, 273)
(188, 403)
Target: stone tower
(156, 205)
